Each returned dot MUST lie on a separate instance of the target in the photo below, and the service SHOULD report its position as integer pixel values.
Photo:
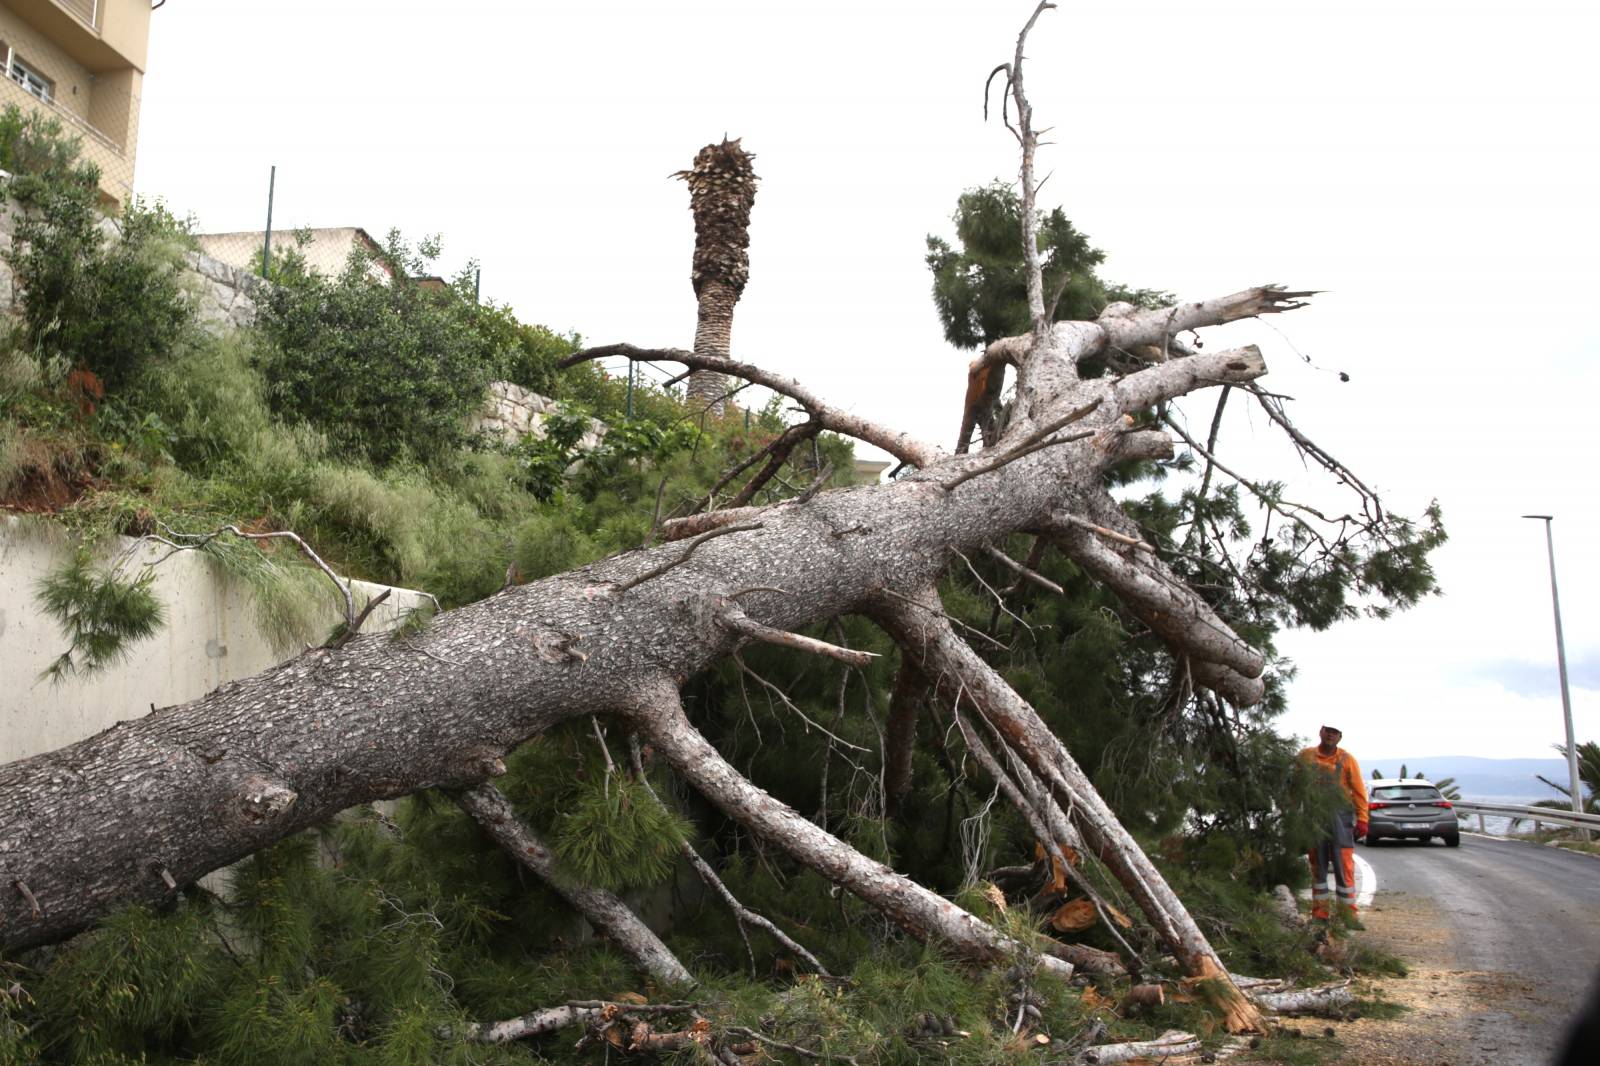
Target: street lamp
(1561, 667)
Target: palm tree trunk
(722, 188)
(707, 389)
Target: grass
(1587, 847)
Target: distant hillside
(1480, 778)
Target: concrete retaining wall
(210, 637)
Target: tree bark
(1331, 999)
(900, 735)
(1170, 1043)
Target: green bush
(524, 354)
(388, 370)
(109, 306)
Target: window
(1406, 793)
(25, 75)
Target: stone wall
(512, 411)
(224, 296)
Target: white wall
(210, 637)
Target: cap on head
(1333, 729)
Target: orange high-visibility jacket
(1342, 767)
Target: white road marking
(1366, 882)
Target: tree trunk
(922, 631)
(722, 188)
(185, 790)
(713, 338)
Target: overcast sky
(1431, 164)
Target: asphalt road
(1524, 919)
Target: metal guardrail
(1536, 815)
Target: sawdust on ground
(1452, 1016)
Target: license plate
(1414, 825)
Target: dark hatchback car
(1409, 808)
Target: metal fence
(77, 114)
(1537, 815)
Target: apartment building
(81, 61)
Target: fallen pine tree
(136, 814)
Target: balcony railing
(77, 123)
(87, 11)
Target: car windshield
(1404, 793)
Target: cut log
(1170, 1043)
(1084, 958)
(1142, 996)
(1330, 1000)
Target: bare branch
(657, 571)
(179, 542)
(493, 812)
(900, 445)
(1109, 534)
(1030, 142)
(1010, 457)
(779, 451)
(742, 915)
(783, 697)
(744, 625)
(1273, 406)
(751, 1034)
(1032, 575)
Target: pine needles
(100, 613)
(613, 834)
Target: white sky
(1430, 163)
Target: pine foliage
(101, 614)
(613, 834)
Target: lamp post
(1561, 666)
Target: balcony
(114, 160)
(87, 11)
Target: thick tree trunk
(111, 820)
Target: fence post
(1481, 826)
(266, 243)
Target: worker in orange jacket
(1338, 849)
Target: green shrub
(389, 371)
(524, 354)
(108, 306)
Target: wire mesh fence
(100, 108)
